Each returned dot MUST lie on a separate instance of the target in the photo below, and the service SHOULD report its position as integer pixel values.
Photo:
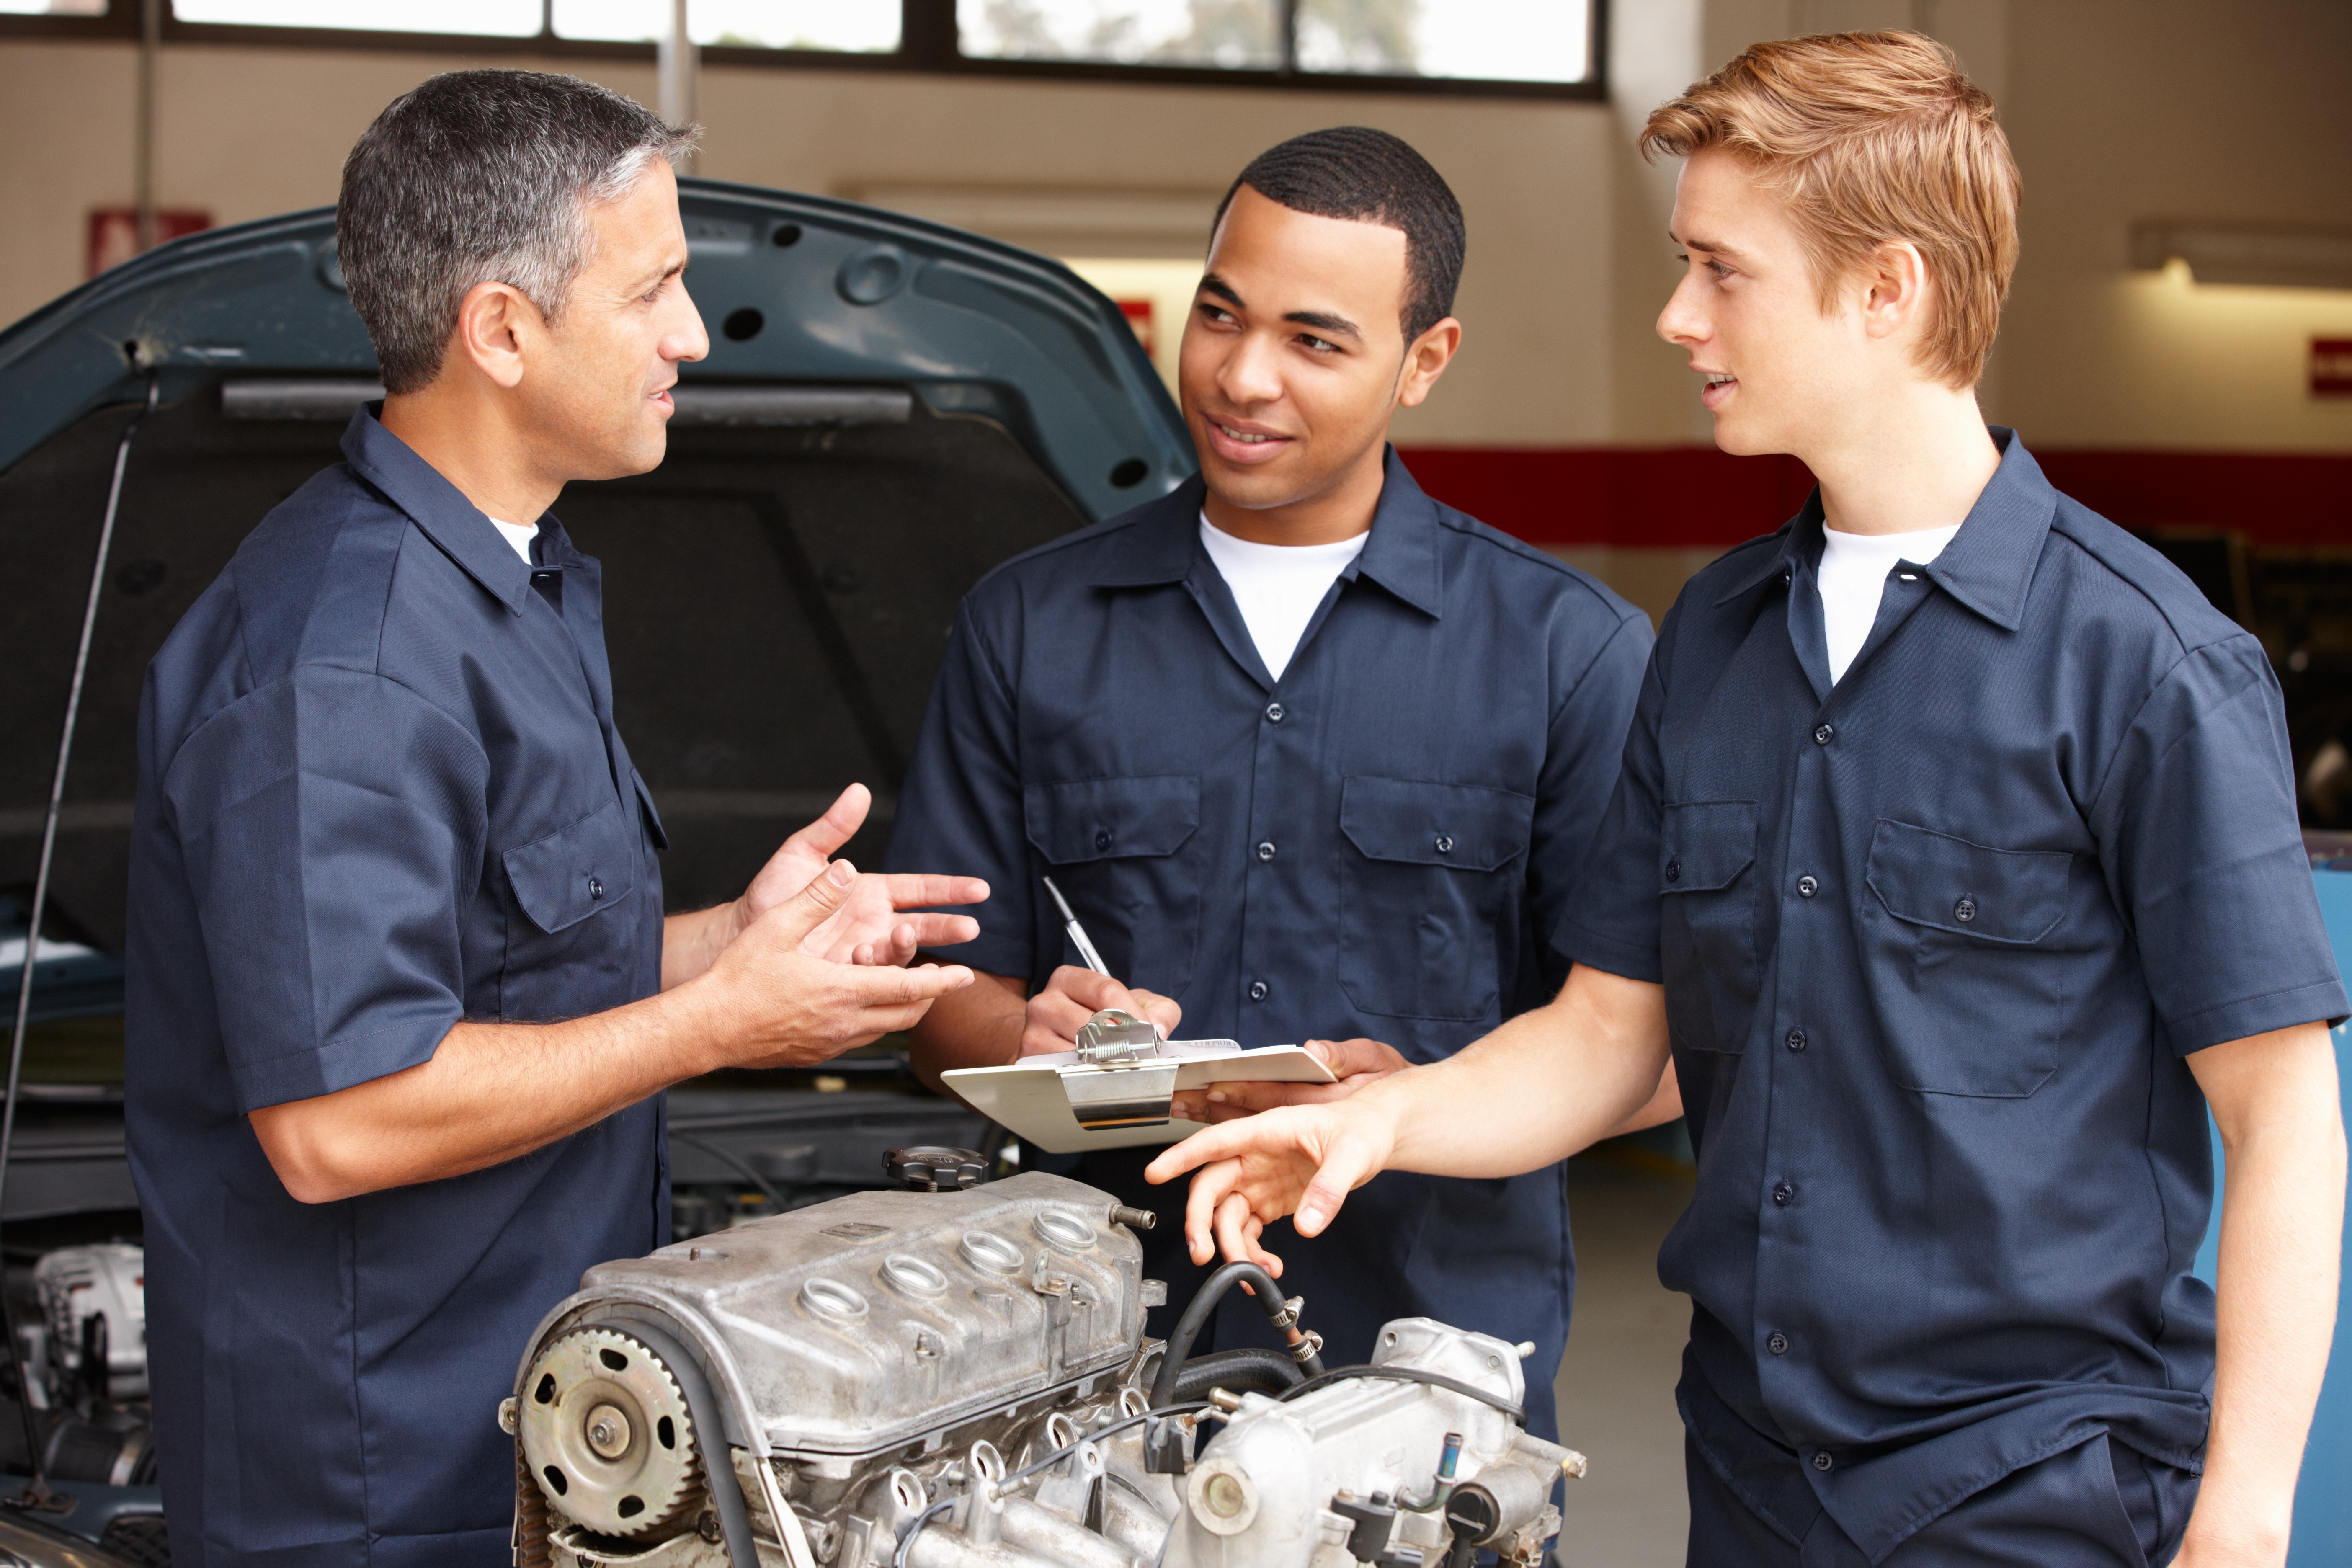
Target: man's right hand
(782, 1005)
(1301, 1160)
(1073, 995)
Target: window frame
(927, 45)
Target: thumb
(1348, 1166)
(813, 904)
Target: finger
(1233, 1245)
(943, 931)
(797, 917)
(839, 824)
(1209, 1189)
(1347, 1058)
(1160, 1012)
(895, 987)
(919, 889)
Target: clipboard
(1067, 1102)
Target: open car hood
(889, 409)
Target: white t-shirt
(1278, 586)
(519, 535)
(1854, 574)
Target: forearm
(2274, 1100)
(463, 1111)
(690, 942)
(1546, 1085)
(2282, 1226)
(978, 1026)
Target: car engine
(955, 1375)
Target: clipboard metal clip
(1112, 1036)
(1114, 1085)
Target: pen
(1077, 932)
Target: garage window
(1530, 49)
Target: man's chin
(1256, 487)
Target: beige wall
(2120, 110)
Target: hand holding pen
(1074, 995)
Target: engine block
(960, 1379)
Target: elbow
(311, 1160)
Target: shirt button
(1266, 850)
(1807, 887)
(1965, 910)
(1673, 870)
(1824, 735)
(1796, 1039)
(1782, 1193)
(1821, 1460)
(1102, 838)
(1274, 711)
(1445, 844)
(1778, 1344)
(1259, 990)
(596, 888)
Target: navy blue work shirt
(380, 792)
(1374, 845)
(1935, 941)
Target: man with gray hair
(402, 998)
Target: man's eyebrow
(1335, 326)
(1713, 248)
(648, 281)
(1213, 284)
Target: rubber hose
(1188, 1328)
(1253, 1369)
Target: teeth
(1244, 436)
(1715, 378)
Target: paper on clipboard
(1032, 1098)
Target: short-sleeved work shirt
(380, 792)
(1935, 941)
(1374, 845)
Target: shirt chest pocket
(1964, 978)
(561, 962)
(1116, 847)
(1707, 922)
(1433, 871)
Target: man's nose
(1251, 373)
(1680, 322)
(686, 339)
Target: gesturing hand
(1301, 1159)
(782, 1004)
(1073, 995)
(868, 927)
(1357, 1064)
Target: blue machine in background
(2322, 1501)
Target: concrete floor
(1625, 1353)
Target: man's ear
(497, 326)
(1896, 287)
(1426, 358)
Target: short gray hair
(482, 176)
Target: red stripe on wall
(1681, 498)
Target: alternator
(605, 1428)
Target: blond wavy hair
(1871, 138)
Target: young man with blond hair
(1954, 855)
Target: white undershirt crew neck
(1854, 577)
(1278, 587)
(519, 535)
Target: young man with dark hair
(402, 998)
(1312, 756)
(1954, 855)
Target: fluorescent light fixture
(2277, 256)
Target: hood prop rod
(37, 1494)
